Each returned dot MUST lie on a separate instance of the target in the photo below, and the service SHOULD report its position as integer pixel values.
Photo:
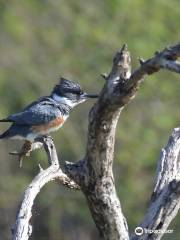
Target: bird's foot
(24, 152)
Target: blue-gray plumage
(47, 114)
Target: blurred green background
(43, 39)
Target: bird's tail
(6, 133)
(5, 120)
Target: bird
(45, 115)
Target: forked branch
(94, 173)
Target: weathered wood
(165, 59)
(96, 175)
(22, 228)
(94, 172)
(165, 200)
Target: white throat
(64, 100)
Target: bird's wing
(41, 101)
(35, 114)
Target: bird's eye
(77, 92)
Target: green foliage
(41, 40)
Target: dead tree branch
(94, 172)
(165, 59)
(165, 200)
(22, 228)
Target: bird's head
(70, 93)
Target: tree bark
(94, 172)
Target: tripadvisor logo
(139, 231)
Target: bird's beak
(86, 95)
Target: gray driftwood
(94, 172)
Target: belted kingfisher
(47, 114)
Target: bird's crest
(66, 85)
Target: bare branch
(94, 172)
(165, 59)
(22, 229)
(165, 200)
